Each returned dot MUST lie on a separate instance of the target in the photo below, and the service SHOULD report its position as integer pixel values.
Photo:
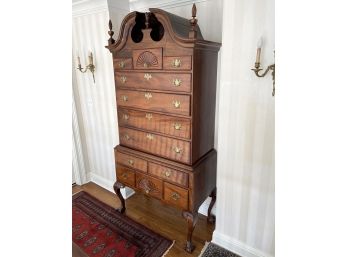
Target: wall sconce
(90, 65)
(257, 68)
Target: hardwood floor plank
(157, 216)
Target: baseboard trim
(237, 246)
(109, 185)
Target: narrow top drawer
(177, 62)
(123, 63)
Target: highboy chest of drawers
(165, 77)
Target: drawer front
(123, 63)
(149, 185)
(148, 59)
(177, 63)
(166, 173)
(173, 126)
(131, 161)
(180, 82)
(174, 149)
(125, 175)
(176, 104)
(176, 196)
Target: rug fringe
(204, 247)
(170, 247)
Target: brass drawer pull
(175, 196)
(176, 82)
(177, 150)
(148, 96)
(147, 76)
(125, 175)
(176, 104)
(126, 137)
(167, 173)
(124, 98)
(121, 64)
(176, 63)
(148, 116)
(123, 79)
(147, 191)
(177, 126)
(149, 136)
(131, 162)
(125, 116)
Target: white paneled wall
(97, 100)
(245, 196)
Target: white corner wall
(245, 184)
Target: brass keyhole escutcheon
(125, 116)
(175, 196)
(123, 79)
(126, 137)
(147, 191)
(147, 76)
(125, 175)
(124, 98)
(167, 173)
(176, 82)
(131, 162)
(176, 104)
(148, 96)
(121, 64)
(149, 136)
(176, 63)
(148, 116)
(177, 150)
(177, 126)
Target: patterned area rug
(100, 231)
(213, 250)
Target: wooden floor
(157, 216)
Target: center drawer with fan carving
(153, 122)
(179, 82)
(174, 149)
(162, 102)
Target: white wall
(245, 195)
(97, 106)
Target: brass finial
(111, 33)
(193, 22)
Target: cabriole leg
(191, 219)
(117, 188)
(211, 218)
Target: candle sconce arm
(269, 68)
(89, 67)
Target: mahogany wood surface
(175, 82)
(131, 161)
(176, 196)
(171, 103)
(173, 149)
(171, 175)
(165, 76)
(153, 122)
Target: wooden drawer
(177, 63)
(176, 104)
(131, 161)
(176, 196)
(123, 63)
(174, 149)
(170, 125)
(149, 185)
(125, 175)
(147, 59)
(180, 82)
(166, 173)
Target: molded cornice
(143, 5)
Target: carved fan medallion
(148, 186)
(147, 59)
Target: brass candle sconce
(257, 68)
(89, 67)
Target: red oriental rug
(100, 231)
